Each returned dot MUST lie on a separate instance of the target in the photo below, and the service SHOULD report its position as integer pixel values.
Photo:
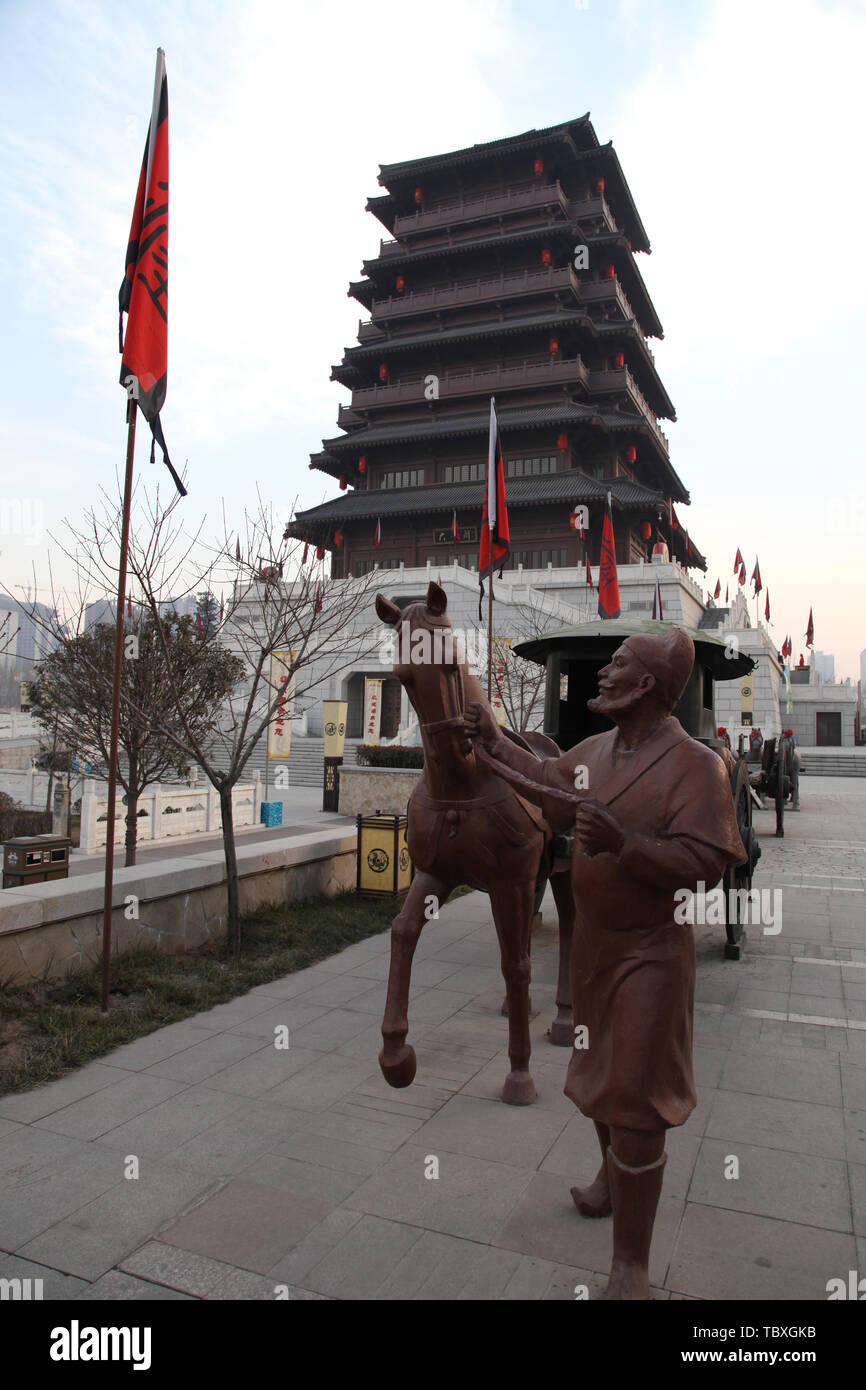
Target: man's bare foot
(627, 1282)
(595, 1199)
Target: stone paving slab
(269, 1173)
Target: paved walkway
(261, 1167)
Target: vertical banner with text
(280, 727)
(372, 710)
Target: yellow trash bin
(384, 866)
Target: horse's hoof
(401, 1072)
(519, 1088)
(561, 1034)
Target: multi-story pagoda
(512, 273)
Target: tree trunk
(131, 823)
(233, 922)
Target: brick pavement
(262, 1168)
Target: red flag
(495, 538)
(143, 293)
(608, 583)
(742, 574)
(589, 572)
(672, 516)
(726, 593)
(377, 534)
(767, 606)
(455, 529)
(738, 560)
(718, 588)
(810, 631)
(658, 611)
(318, 604)
(756, 578)
(198, 624)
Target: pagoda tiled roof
(571, 486)
(578, 134)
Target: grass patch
(50, 1028)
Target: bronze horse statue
(467, 825)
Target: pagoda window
(529, 468)
(464, 472)
(405, 477)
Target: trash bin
(384, 866)
(35, 859)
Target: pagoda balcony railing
(486, 205)
(621, 380)
(595, 291)
(478, 291)
(580, 209)
(475, 381)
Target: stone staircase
(305, 764)
(833, 762)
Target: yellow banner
(372, 710)
(747, 699)
(334, 727)
(280, 727)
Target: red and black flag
(738, 560)
(672, 516)
(718, 589)
(767, 606)
(198, 624)
(756, 578)
(608, 583)
(810, 631)
(742, 574)
(144, 292)
(495, 539)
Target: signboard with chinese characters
(445, 536)
(501, 654)
(372, 710)
(280, 727)
(334, 727)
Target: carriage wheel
(739, 876)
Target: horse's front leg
(562, 1027)
(512, 912)
(397, 1058)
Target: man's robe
(633, 966)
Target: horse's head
(428, 662)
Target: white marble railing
(166, 812)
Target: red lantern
(538, 166)
(401, 284)
(631, 454)
(618, 360)
(553, 345)
(320, 552)
(362, 464)
(562, 442)
(342, 483)
(419, 194)
(383, 372)
(545, 257)
(609, 272)
(599, 185)
(646, 529)
(338, 539)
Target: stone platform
(261, 1168)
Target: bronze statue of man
(654, 814)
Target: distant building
(825, 665)
(102, 611)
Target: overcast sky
(739, 126)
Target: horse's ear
(437, 599)
(388, 611)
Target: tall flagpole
(131, 412)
